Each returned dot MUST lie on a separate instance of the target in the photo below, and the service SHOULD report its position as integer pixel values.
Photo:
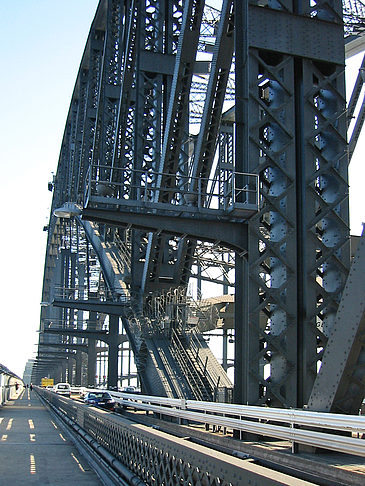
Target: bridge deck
(33, 449)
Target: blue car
(100, 399)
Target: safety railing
(211, 372)
(233, 193)
(337, 432)
(82, 293)
(285, 424)
(196, 380)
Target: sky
(41, 45)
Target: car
(131, 389)
(63, 389)
(101, 399)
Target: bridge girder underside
(175, 104)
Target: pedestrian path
(35, 451)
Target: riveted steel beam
(113, 308)
(295, 35)
(231, 235)
(340, 383)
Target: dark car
(101, 399)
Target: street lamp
(67, 210)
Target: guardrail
(286, 424)
(236, 193)
(262, 421)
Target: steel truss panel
(340, 384)
(295, 35)
(175, 133)
(298, 253)
(109, 87)
(175, 159)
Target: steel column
(298, 252)
(113, 351)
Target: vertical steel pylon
(290, 111)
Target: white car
(63, 389)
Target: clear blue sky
(41, 45)
(42, 42)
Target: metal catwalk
(206, 142)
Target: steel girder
(288, 126)
(161, 256)
(353, 104)
(298, 253)
(340, 383)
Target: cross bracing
(354, 17)
(209, 142)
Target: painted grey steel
(117, 308)
(173, 160)
(150, 453)
(231, 235)
(207, 138)
(82, 347)
(235, 417)
(298, 251)
(129, 143)
(340, 385)
(353, 103)
(295, 34)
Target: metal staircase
(191, 369)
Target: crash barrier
(10, 385)
(143, 455)
(337, 432)
(341, 433)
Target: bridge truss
(209, 142)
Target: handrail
(238, 190)
(188, 367)
(213, 380)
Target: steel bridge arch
(128, 151)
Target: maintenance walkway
(35, 450)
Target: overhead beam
(295, 35)
(99, 335)
(113, 308)
(230, 235)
